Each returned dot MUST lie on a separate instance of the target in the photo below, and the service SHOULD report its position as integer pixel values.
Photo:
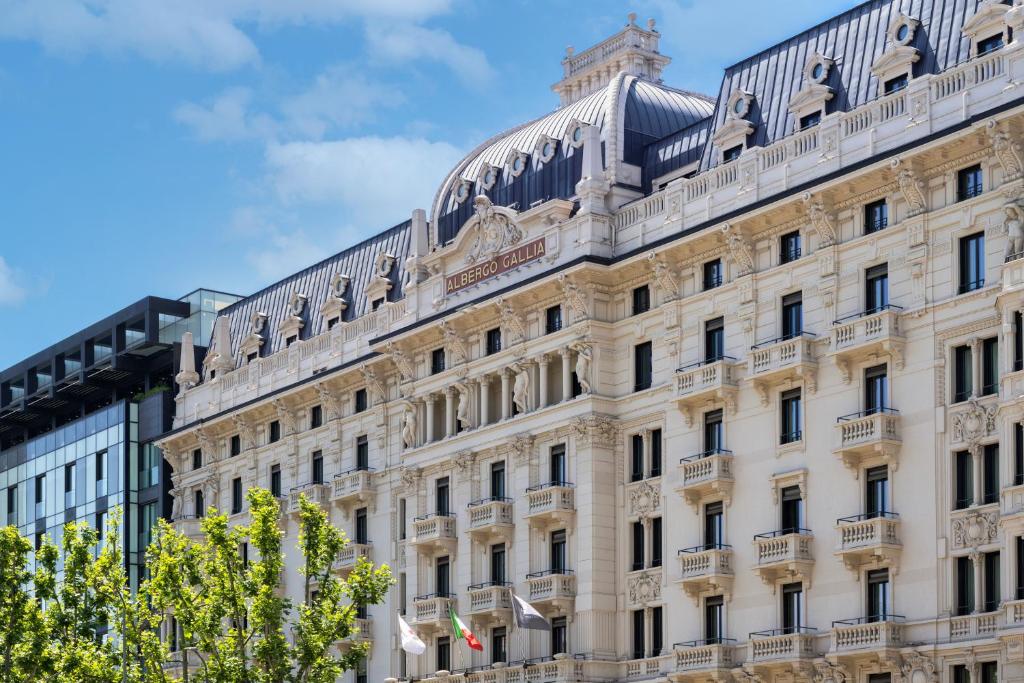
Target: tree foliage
(69, 615)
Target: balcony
(706, 569)
(350, 554)
(784, 554)
(554, 502)
(707, 382)
(490, 517)
(433, 532)
(315, 493)
(491, 600)
(868, 434)
(362, 631)
(782, 646)
(869, 540)
(1014, 613)
(189, 525)
(869, 634)
(780, 360)
(1011, 505)
(430, 612)
(353, 488)
(973, 626)
(706, 475)
(865, 335)
(698, 659)
(554, 588)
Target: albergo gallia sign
(495, 265)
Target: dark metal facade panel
(674, 151)
(854, 40)
(356, 262)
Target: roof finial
(569, 50)
(650, 24)
(632, 19)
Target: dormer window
(515, 163)
(732, 154)
(731, 136)
(893, 68)
(990, 44)
(331, 322)
(488, 176)
(462, 191)
(810, 120)
(574, 134)
(987, 28)
(291, 340)
(376, 303)
(252, 357)
(808, 104)
(896, 84)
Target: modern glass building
(77, 421)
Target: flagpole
(455, 636)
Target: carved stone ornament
(245, 430)
(464, 461)
(455, 344)
(329, 400)
(409, 431)
(339, 286)
(744, 676)
(820, 220)
(976, 529)
(374, 387)
(254, 340)
(286, 415)
(462, 405)
(663, 277)
(739, 248)
(511, 321)
(827, 672)
(210, 454)
(1013, 224)
(383, 265)
(596, 429)
(973, 423)
(521, 395)
(584, 362)
(644, 499)
(257, 321)
(493, 230)
(296, 304)
(917, 668)
(911, 187)
(574, 296)
(402, 361)
(410, 478)
(645, 587)
(522, 445)
(1007, 151)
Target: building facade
(728, 388)
(78, 419)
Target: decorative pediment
(515, 162)
(335, 303)
(895, 61)
(988, 20)
(293, 322)
(811, 97)
(380, 283)
(490, 231)
(254, 340)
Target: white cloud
(405, 42)
(11, 291)
(204, 33)
(227, 117)
(377, 181)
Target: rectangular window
(291, 340)
(198, 504)
(990, 585)
(636, 471)
(714, 525)
(876, 292)
(101, 527)
(12, 504)
(317, 467)
(436, 361)
(40, 496)
(810, 120)
(876, 389)
(657, 631)
(442, 577)
(968, 182)
(638, 634)
(963, 493)
(876, 494)
(362, 530)
(792, 607)
(656, 556)
(69, 485)
(714, 440)
(444, 654)
(493, 340)
(236, 445)
(712, 274)
(559, 556)
(197, 458)
(498, 644)
(972, 262)
(714, 622)
(498, 576)
(880, 678)
(643, 368)
(1018, 454)
(876, 216)
(989, 366)
(274, 432)
(989, 672)
(498, 479)
(990, 44)
(964, 585)
(963, 369)
(1020, 567)
(638, 546)
(559, 636)
(362, 453)
(879, 595)
(791, 510)
(732, 154)
(791, 417)
(1018, 341)
(641, 299)
(792, 315)
(559, 473)
(275, 481)
(789, 247)
(960, 674)
(402, 524)
(896, 84)
(360, 400)
(236, 495)
(553, 319)
(101, 473)
(655, 452)
(331, 322)
(990, 474)
(441, 490)
(714, 340)
(316, 417)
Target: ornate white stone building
(729, 389)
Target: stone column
(485, 399)
(977, 461)
(449, 411)
(542, 383)
(506, 395)
(566, 374)
(1009, 338)
(430, 418)
(979, 599)
(976, 368)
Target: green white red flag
(462, 631)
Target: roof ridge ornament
(494, 229)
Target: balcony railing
(431, 610)
(488, 515)
(873, 432)
(315, 492)
(554, 500)
(785, 553)
(350, 554)
(715, 378)
(706, 568)
(792, 643)
(353, 486)
(490, 597)
(551, 586)
(705, 474)
(869, 333)
(433, 529)
(868, 538)
(874, 632)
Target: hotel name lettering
(496, 265)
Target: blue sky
(156, 146)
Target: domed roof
(518, 167)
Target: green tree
(23, 636)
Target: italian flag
(462, 631)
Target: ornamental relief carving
(826, 672)
(596, 430)
(644, 499)
(522, 446)
(493, 230)
(976, 529)
(916, 668)
(973, 423)
(645, 587)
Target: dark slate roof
(357, 262)
(854, 40)
(675, 151)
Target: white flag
(411, 642)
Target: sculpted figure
(521, 388)
(462, 409)
(1014, 229)
(584, 358)
(409, 426)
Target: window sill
(791, 447)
